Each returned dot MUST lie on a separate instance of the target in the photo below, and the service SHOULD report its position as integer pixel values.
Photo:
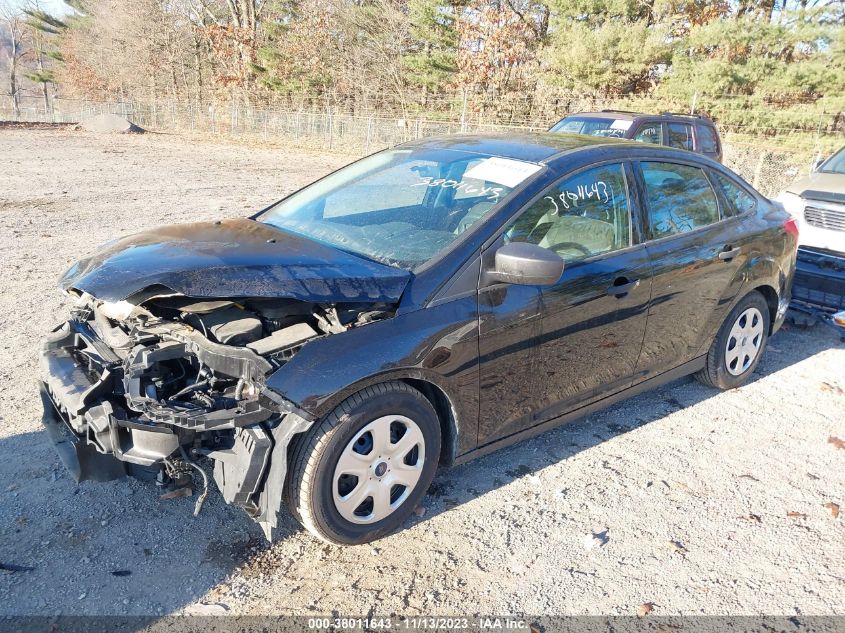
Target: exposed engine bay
(161, 384)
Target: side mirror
(818, 164)
(526, 264)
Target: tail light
(791, 226)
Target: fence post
(758, 170)
(464, 113)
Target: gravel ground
(696, 501)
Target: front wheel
(739, 345)
(357, 475)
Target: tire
(364, 435)
(730, 368)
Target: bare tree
(12, 22)
(42, 27)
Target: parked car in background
(817, 202)
(420, 307)
(694, 133)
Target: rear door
(707, 141)
(680, 136)
(696, 252)
(580, 340)
(649, 132)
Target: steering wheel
(573, 245)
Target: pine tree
(431, 61)
(43, 26)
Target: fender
(437, 345)
(758, 270)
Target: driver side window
(580, 216)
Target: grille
(825, 218)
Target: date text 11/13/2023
(487, 623)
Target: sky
(56, 7)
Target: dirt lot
(706, 502)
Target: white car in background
(817, 202)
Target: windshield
(835, 164)
(610, 128)
(403, 206)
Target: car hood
(232, 258)
(820, 186)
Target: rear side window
(680, 136)
(680, 198)
(650, 133)
(707, 141)
(739, 201)
(610, 128)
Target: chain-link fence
(769, 169)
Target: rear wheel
(739, 345)
(357, 475)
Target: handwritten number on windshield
(492, 193)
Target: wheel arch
(764, 274)
(436, 394)
(772, 300)
(445, 414)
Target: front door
(580, 338)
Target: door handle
(622, 287)
(728, 254)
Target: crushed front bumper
(819, 286)
(85, 390)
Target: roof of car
(535, 147)
(626, 115)
(612, 114)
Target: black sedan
(417, 308)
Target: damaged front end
(157, 387)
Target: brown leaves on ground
(833, 507)
(645, 608)
(826, 386)
(796, 515)
(752, 517)
(836, 442)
